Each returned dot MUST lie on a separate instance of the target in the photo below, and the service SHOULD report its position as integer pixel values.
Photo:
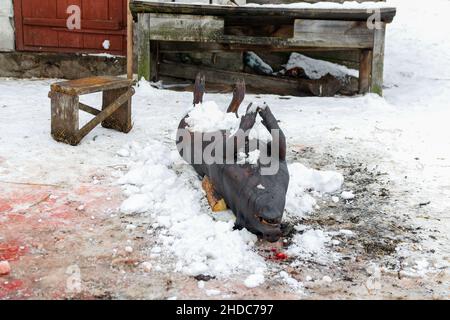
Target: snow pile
(316, 69)
(199, 244)
(208, 117)
(302, 180)
(255, 280)
(310, 242)
(161, 185)
(291, 282)
(310, 245)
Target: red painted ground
(37, 225)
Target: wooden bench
(180, 27)
(65, 106)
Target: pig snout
(272, 235)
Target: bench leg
(378, 61)
(144, 55)
(120, 120)
(65, 118)
(365, 70)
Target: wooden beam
(306, 33)
(144, 55)
(387, 14)
(260, 84)
(180, 47)
(88, 109)
(378, 61)
(90, 85)
(170, 27)
(130, 37)
(365, 70)
(329, 33)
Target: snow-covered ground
(363, 146)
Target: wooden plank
(300, 41)
(169, 27)
(328, 33)
(365, 70)
(130, 37)
(85, 24)
(231, 61)
(348, 58)
(88, 109)
(90, 85)
(378, 61)
(64, 117)
(257, 83)
(144, 55)
(178, 46)
(120, 120)
(387, 13)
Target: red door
(41, 25)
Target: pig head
(256, 198)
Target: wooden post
(154, 61)
(378, 61)
(365, 69)
(65, 119)
(129, 42)
(144, 56)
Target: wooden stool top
(90, 85)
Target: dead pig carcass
(256, 195)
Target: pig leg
(271, 123)
(199, 88)
(238, 97)
(247, 122)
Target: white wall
(6, 26)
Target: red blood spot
(281, 256)
(11, 252)
(4, 206)
(12, 285)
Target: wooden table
(225, 28)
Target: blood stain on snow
(8, 287)
(12, 251)
(4, 206)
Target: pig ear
(238, 96)
(199, 88)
